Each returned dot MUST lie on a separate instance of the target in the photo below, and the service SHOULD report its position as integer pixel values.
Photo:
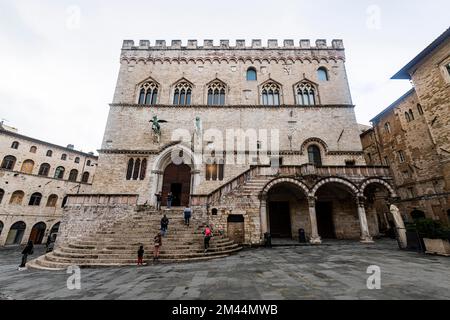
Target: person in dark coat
(187, 215)
(158, 201)
(141, 256)
(164, 225)
(27, 251)
(169, 200)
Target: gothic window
(27, 167)
(15, 145)
(73, 175)
(306, 94)
(401, 156)
(448, 68)
(33, 149)
(411, 114)
(216, 93)
(9, 162)
(77, 160)
(49, 153)
(136, 169)
(148, 93)
(215, 171)
(85, 178)
(271, 94)
(52, 200)
(59, 172)
(17, 198)
(419, 109)
(2, 193)
(44, 170)
(64, 157)
(35, 199)
(251, 74)
(322, 74)
(88, 163)
(387, 127)
(314, 155)
(183, 94)
(407, 117)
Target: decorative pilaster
(365, 235)
(263, 216)
(315, 238)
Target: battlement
(320, 44)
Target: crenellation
(256, 43)
(176, 44)
(128, 44)
(305, 44)
(144, 44)
(272, 44)
(224, 44)
(192, 44)
(321, 44)
(288, 43)
(160, 44)
(337, 44)
(207, 44)
(240, 44)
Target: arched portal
(336, 210)
(38, 232)
(16, 233)
(177, 179)
(287, 208)
(418, 215)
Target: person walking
(169, 200)
(208, 235)
(158, 243)
(140, 256)
(27, 251)
(158, 201)
(164, 225)
(187, 215)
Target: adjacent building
(35, 178)
(412, 135)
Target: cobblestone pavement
(337, 270)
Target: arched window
(148, 93)
(49, 153)
(44, 170)
(387, 127)
(17, 198)
(322, 74)
(183, 94)
(143, 169)
(9, 162)
(59, 172)
(73, 175)
(33, 149)
(2, 193)
(419, 109)
(314, 155)
(407, 117)
(27, 167)
(216, 93)
(35, 199)
(77, 160)
(52, 200)
(306, 94)
(251, 74)
(64, 202)
(271, 94)
(15, 145)
(130, 169)
(1, 227)
(411, 114)
(88, 163)
(16, 233)
(85, 178)
(215, 170)
(64, 157)
(137, 167)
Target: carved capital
(312, 202)
(361, 201)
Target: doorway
(38, 232)
(280, 219)
(177, 179)
(325, 222)
(16, 233)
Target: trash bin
(301, 236)
(267, 240)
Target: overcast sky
(60, 59)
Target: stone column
(157, 185)
(195, 180)
(365, 235)
(315, 238)
(263, 216)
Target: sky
(59, 60)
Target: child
(208, 235)
(141, 256)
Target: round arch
(38, 232)
(316, 141)
(278, 181)
(16, 233)
(325, 181)
(378, 181)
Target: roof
(14, 134)
(404, 74)
(393, 105)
